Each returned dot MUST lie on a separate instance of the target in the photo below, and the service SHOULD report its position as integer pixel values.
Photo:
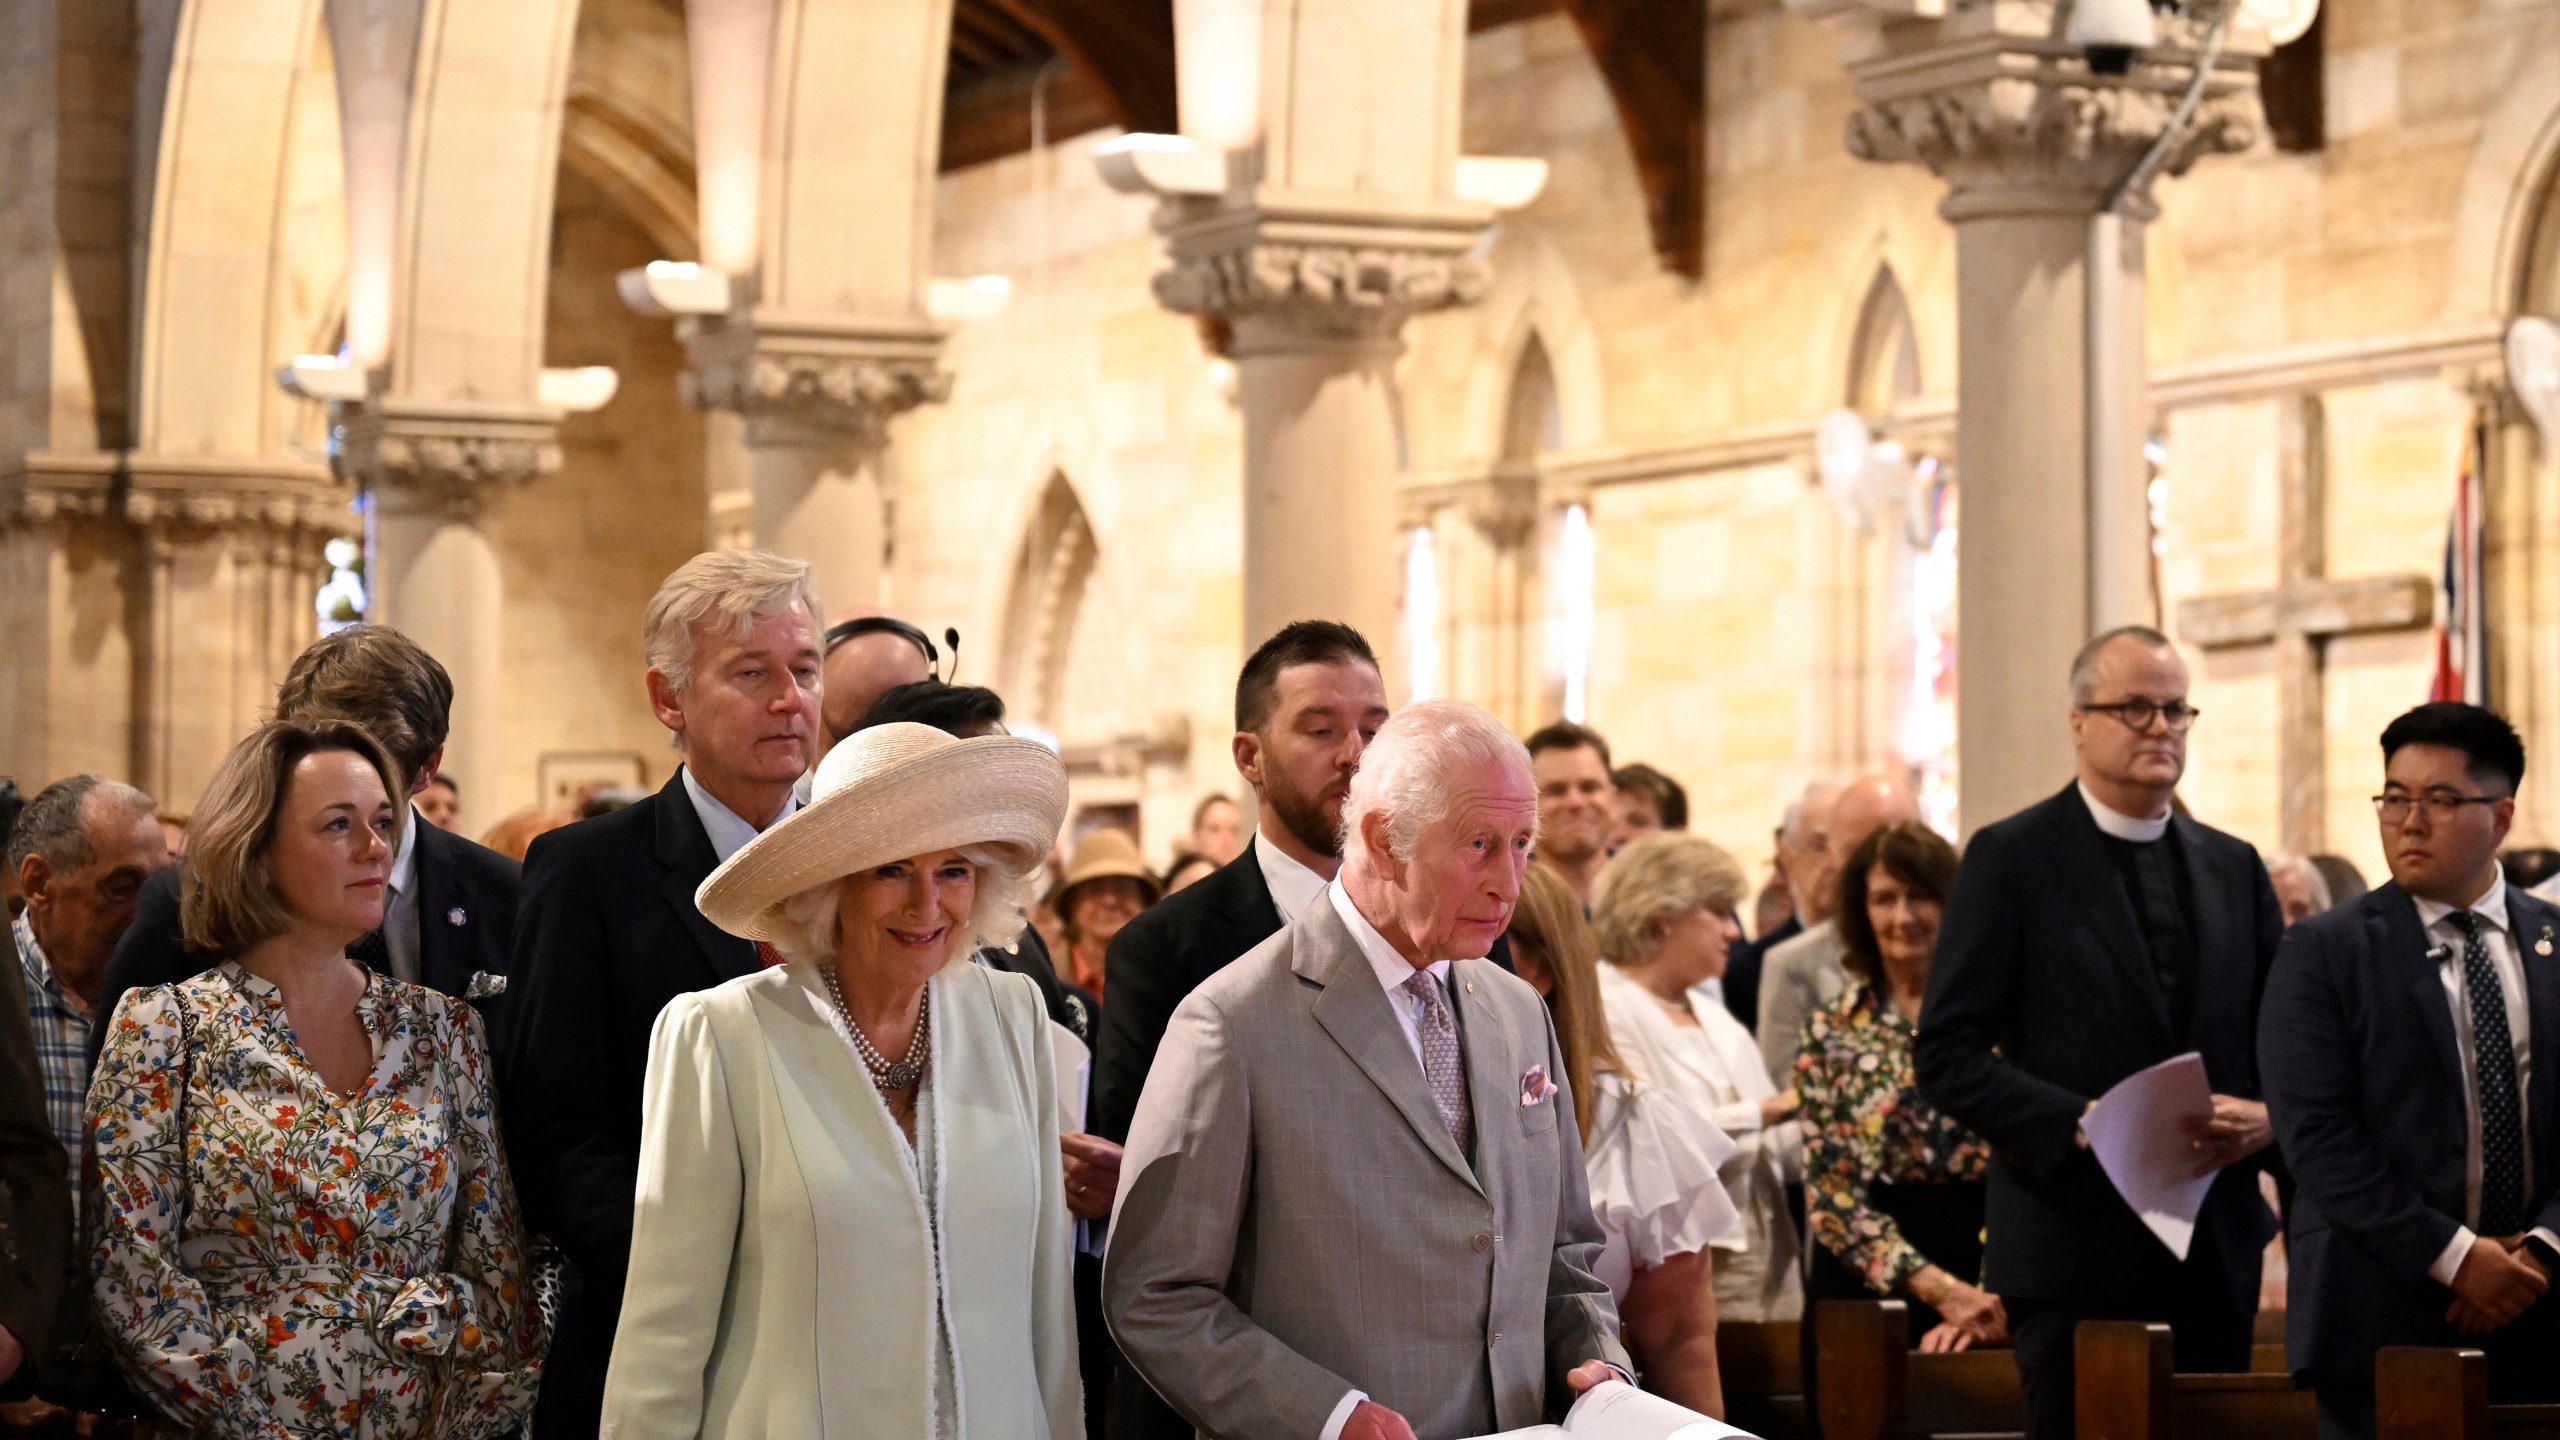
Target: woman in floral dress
(1893, 1189)
(307, 1227)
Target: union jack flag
(2462, 626)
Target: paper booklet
(2137, 1130)
(1615, 1410)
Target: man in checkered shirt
(81, 850)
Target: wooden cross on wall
(2300, 616)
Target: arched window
(1049, 578)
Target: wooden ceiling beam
(1653, 54)
(1125, 46)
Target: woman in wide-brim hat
(1105, 887)
(850, 1220)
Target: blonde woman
(306, 1226)
(851, 1219)
(1663, 912)
(1651, 1160)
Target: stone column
(2052, 398)
(1316, 299)
(230, 559)
(433, 473)
(817, 393)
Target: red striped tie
(766, 955)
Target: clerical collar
(2120, 825)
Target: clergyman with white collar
(2092, 935)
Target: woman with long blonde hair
(1651, 1160)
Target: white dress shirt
(729, 832)
(400, 911)
(1392, 970)
(2122, 826)
(2437, 917)
(1293, 886)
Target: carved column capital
(1991, 99)
(807, 379)
(454, 459)
(1289, 273)
(42, 488)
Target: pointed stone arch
(1884, 349)
(1051, 571)
(1533, 417)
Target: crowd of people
(846, 1086)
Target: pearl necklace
(885, 1073)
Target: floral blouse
(1866, 1124)
(297, 1264)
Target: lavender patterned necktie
(1442, 1070)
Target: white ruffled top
(1652, 1161)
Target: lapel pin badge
(2542, 942)
(457, 919)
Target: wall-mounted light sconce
(977, 297)
(323, 377)
(577, 390)
(1145, 164)
(664, 289)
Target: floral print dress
(298, 1263)
(1866, 1125)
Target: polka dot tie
(1441, 1067)
(766, 955)
(2493, 1062)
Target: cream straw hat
(888, 793)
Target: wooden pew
(2127, 1391)
(1869, 1384)
(1762, 1365)
(2423, 1393)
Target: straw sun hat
(890, 793)
(1104, 855)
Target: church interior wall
(1083, 375)
(583, 549)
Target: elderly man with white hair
(1353, 1205)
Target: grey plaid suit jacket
(1294, 1222)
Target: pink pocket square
(1535, 1087)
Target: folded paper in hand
(1615, 1410)
(2138, 1132)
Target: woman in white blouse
(850, 1218)
(1650, 1158)
(1663, 911)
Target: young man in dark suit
(2090, 936)
(609, 932)
(450, 923)
(2411, 1044)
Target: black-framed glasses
(2441, 807)
(2138, 714)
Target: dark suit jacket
(1742, 971)
(2366, 1087)
(454, 877)
(1158, 959)
(35, 1193)
(2041, 955)
(608, 935)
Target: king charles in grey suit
(1352, 1206)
